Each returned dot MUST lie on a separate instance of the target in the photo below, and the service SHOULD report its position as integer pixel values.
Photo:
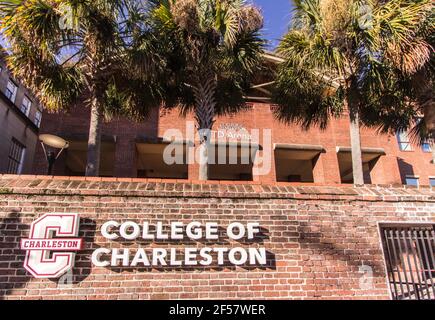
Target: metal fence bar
(391, 271)
(414, 236)
(431, 235)
(421, 284)
(426, 257)
(410, 251)
(431, 250)
(405, 271)
(395, 259)
(414, 284)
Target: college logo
(50, 248)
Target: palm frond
(207, 38)
(63, 64)
(419, 134)
(371, 49)
(7, 7)
(399, 23)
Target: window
(412, 181)
(11, 91)
(404, 143)
(426, 147)
(432, 182)
(16, 157)
(38, 118)
(25, 105)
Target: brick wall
(317, 237)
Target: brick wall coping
(120, 187)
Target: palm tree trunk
(94, 142)
(355, 141)
(204, 116)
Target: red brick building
(314, 156)
(275, 152)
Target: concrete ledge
(379, 151)
(89, 186)
(298, 147)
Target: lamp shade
(53, 141)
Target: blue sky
(276, 18)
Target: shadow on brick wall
(13, 276)
(405, 169)
(83, 264)
(316, 242)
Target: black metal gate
(410, 258)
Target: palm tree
(353, 53)
(212, 50)
(424, 81)
(82, 52)
(419, 120)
